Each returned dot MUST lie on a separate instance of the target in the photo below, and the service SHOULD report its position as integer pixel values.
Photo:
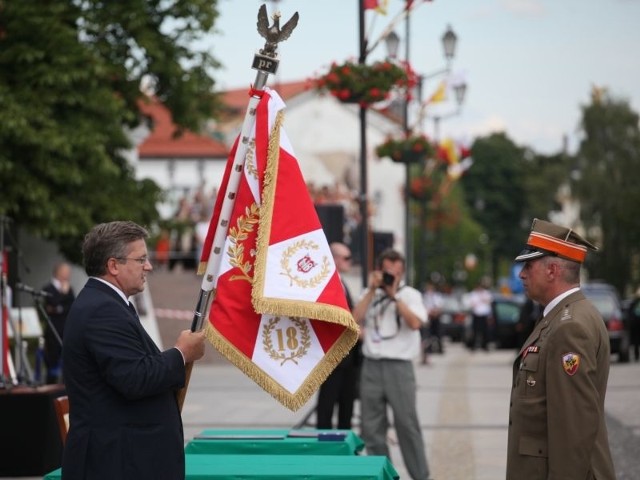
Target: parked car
(454, 319)
(605, 298)
(506, 313)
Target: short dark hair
(109, 240)
(390, 254)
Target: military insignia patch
(570, 363)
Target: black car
(605, 298)
(506, 313)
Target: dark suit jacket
(124, 418)
(556, 421)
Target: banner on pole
(279, 311)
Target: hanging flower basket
(411, 149)
(419, 188)
(352, 82)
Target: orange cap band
(568, 250)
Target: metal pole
(410, 270)
(364, 210)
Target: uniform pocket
(530, 363)
(533, 447)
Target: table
(283, 467)
(275, 442)
(29, 430)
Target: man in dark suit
(556, 420)
(125, 421)
(340, 387)
(56, 305)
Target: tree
(70, 73)
(494, 192)
(608, 162)
(544, 179)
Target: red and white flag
(279, 312)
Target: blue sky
(529, 64)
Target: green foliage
(445, 235)
(608, 164)
(495, 195)
(69, 81)
(545, 177)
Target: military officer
(557, 428)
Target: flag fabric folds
(279, 311)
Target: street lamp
(449, 42)
(392, 42)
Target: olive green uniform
(557, 428)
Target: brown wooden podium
(30, 434)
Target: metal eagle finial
(274, 34)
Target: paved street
(462, 397)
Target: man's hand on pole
(191, 344)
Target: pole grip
(182, 393)
(202, 306)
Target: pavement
(462, 396)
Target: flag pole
(266, 63)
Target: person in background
(431, 334)
(340, 387)
(391, 314)
(480, 299)
(634, 325)
(56, 305)
(557, 426)
(124, 418)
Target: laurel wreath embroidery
(244, 225)
(302, 283)
(250, 159)
(305, 341)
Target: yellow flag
(440, 95)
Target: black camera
(388, 279)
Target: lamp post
(363, 200)
(449, 42)
(366, 253)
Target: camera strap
(379, 307)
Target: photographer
(391, 315)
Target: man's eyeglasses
(141, 260)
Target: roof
(166, 140)
(236, 100)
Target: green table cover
(276, 442)
(283, 467)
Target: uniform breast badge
(570, 363)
